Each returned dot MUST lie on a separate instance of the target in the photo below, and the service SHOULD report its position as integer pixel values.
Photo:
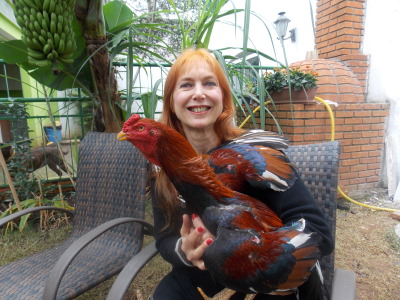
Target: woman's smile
(198, 109)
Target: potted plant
(303, 84)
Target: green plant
(199, 33)
(295, 78)
(46, 218)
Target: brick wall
(339, 33)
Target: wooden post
(9, 181)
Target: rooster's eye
(141, 128)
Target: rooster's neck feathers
(178, 160)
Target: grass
(365, 243)
(15, 245)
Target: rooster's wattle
(253, 252)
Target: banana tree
(89, 14)
(99, 32)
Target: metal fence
(26, 121)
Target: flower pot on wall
(302, 96)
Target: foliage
(21, 145)
(172, 36)
(296, 78)
(46, 218)
(199, 33)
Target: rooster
(274, 259)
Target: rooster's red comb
(132, 120)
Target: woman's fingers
(186, 225)
(196, 254)
(197, 222)
(195, 239)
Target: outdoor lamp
(281, 25)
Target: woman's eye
(185, 85)
(210, 83)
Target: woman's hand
(195, 240)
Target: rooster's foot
(225, 294)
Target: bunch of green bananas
(46, 27)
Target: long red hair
(224, 126)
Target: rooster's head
(144, 134)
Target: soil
(367, 244)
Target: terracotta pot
(302, 96)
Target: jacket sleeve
(167, 240)
(296, 203)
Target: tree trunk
(89, 14)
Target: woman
(198, 104)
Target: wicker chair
(107, 226)
(318, 166)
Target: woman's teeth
(198, 109)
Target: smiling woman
(198, 102)
(197, 98)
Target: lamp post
(281, 25)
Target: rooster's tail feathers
(263, 138)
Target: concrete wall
(382, 45)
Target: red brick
(352, 135)
(357, 180)
(374, 166)
(345, 128)
(369, 134)
(377, 140)
(346, 142)
(314, 137)
(346, 175)
(374, 179)
(380, 113)
(350, 162)
(344, 114)
(358, 142)
(363, 113)
(314, 122)
(374, 153)
(369, 147)
(343, 170)
(351, 148)
(364, 127)
(359, 155)
(369, 173)
(358, 168)
(353, 121)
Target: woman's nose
(198, 91)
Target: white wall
(298, 11)
(382, 43)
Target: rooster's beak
(121, 136)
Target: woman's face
(197, 98)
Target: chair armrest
(21, 213)
(61, 266)
(344, 285)
(129, 272)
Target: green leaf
(14, 52)
(115, 13)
